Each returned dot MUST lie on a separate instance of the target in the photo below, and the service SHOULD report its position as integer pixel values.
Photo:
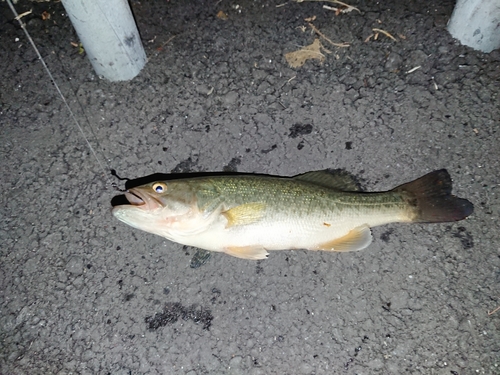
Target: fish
(248, 215)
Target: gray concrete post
(476, 23)
(108, 33)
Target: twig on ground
(23, 14)
(346, 7)
(493, 311)
(164, 44)
(315, 29)
(413, 69)
(385, 33)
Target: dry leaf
(298, 58)
(45, 16)
(221, 15)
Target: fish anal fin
(333, 179)
(254, 252)
(357, 239)
(243, 214)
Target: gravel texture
(82, 293)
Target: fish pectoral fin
(254, 252)
(357, 239)
(247, 213)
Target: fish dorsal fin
(255, 252)
(247, 213)
(357, 239)
(333, 179)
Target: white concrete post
(108, 33)
(476, 23)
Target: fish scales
(304, 199)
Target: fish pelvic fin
(247, 213)
(254, 252)
(431, 200)
(357, 239)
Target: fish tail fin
(431, 199)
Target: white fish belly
(304, 233)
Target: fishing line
(113, 172)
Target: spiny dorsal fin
(333, 179)
(247, 213)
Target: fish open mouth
(134, 199)
(140, 199)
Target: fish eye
(159, 187)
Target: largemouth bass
(247, 215)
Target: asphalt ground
(82, 293)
